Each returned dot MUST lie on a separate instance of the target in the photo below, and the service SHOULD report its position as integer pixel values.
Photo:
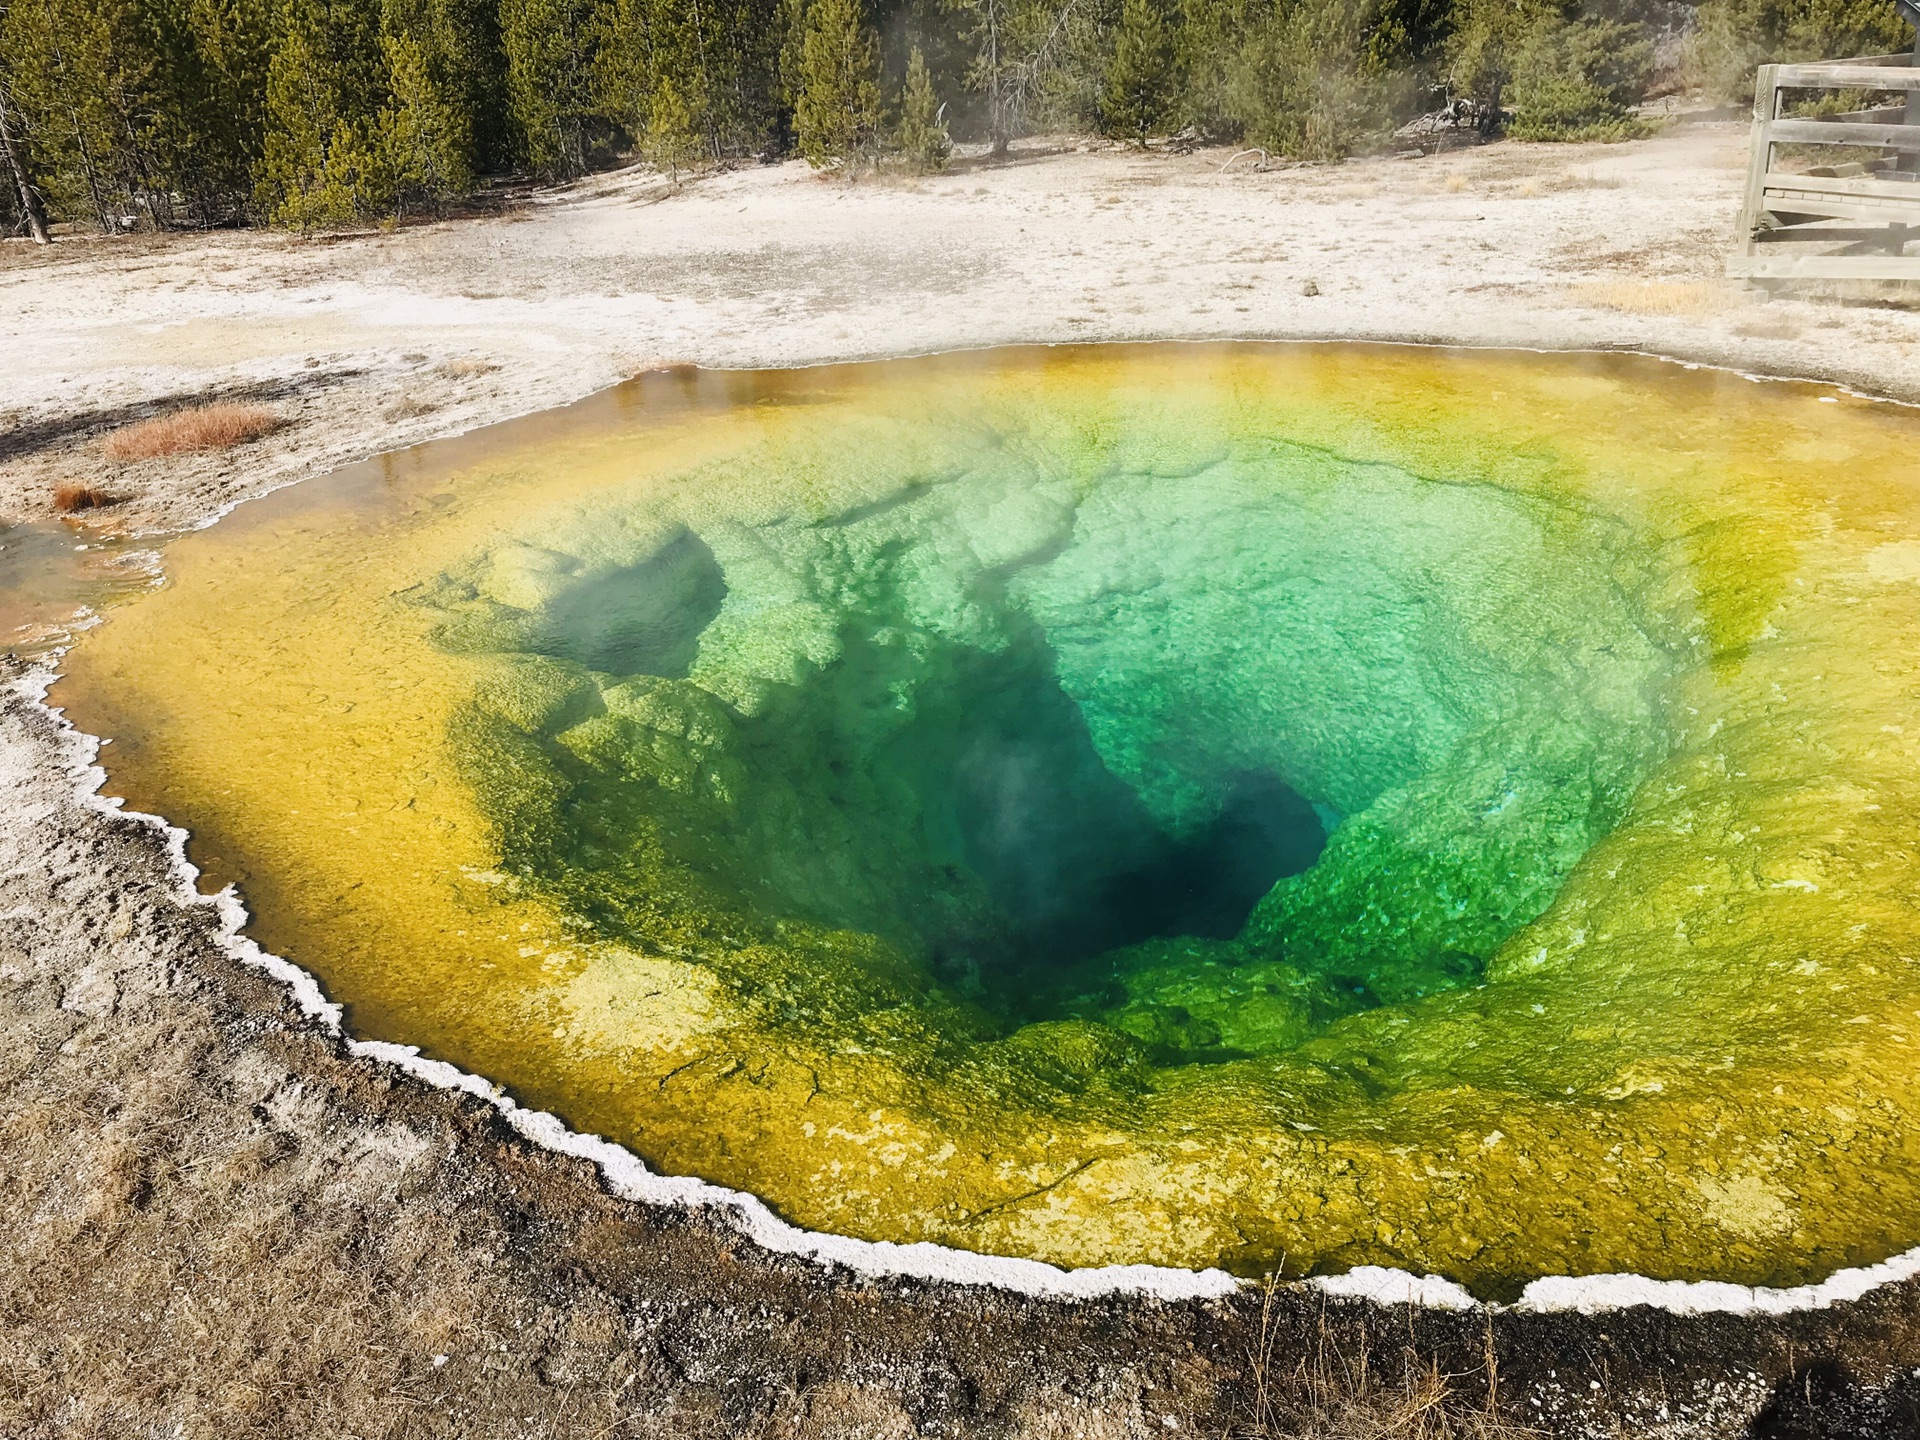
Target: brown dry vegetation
(204, 427)
(69, 498)
(1339, 1388)
(1656, 297)
(409, 407)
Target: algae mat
(1260, 806)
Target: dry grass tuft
(1341, 1392)
(219, 426)
(1558, 182)
(1655, 297)
(1770, 328)
(409, 407)
(1454, 184)
(69, 498)
(467, 367)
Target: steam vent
(1200, 806)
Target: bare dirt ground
(215, 1222)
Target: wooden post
(1766, 107)
(1911, 160)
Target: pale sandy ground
(216, 1223)
(355, 338)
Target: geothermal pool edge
(624, 1175)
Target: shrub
(1306, 84)
(921, 137)
(1139, 92)
(1579, 79)
(1731, 37)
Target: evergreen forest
(160, 114)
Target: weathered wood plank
(1827, 208)
(1850, 186)
(1772, 265)
(1840, 210)
(1766, 99)
(1879, 115)
(1804, 230)
(1834, 132)
(1881, 74)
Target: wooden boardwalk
(1861, 209)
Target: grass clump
(220, 426)
(1340, 1389)
(1655, 297)
(67, 499)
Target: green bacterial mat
(1260, 806)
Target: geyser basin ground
(1243, 806)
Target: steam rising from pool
(1199, 807)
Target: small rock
(1312, 287)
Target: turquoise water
(1059, 737)
(1264, 806)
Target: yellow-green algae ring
(620, 767)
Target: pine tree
(992, 71)
(922, 134)
(459, 45)
(77, 76)
(1139, 93)
(214, 121)
(425, 140)
(837, 117)
(671, 143)
(556, 79)
(322, 162)
(22, 192)
(733, 85)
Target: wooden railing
(1862, 212)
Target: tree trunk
(997, 105)
(30, 205)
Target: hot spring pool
(1203, 805)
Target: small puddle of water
(54, 575)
